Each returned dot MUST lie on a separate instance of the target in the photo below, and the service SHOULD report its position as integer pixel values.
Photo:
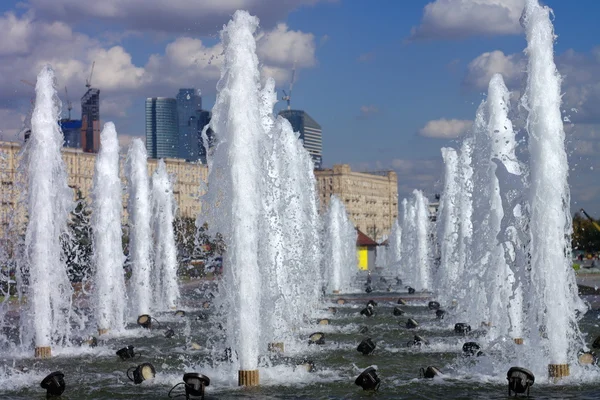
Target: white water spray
(340, 247)
(140, 230)
(108, 255)
(165, 287)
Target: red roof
(364, 240)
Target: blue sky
(372, 84)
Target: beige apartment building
(371, 199)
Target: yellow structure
(371, 199)
(362, 253)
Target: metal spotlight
(410, 290)
(368, 379)
(429, 372)
(587, 357)
(398, 311)
(316, 338)
(194, 385)
(341, 301)
(519, 380)
(401, 301)
(372, 303)
(462, 328)
(180, 313)
(596, 344)
(366, 346)
(439, 314)
(471, 349)
(141, 373)
(169, 333)
(54, 384)
(368, 311)
(309, 365)
(363, 329)
(332, 310)
(411, 324)
(323, 321)
(145, 321)
(417, 341)
(126, 353)
(369, 289)
(398, 281)
(433, 305)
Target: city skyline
(390, 85)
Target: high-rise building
(72, 132)
(189, 105)
(203, 120)
(310, 133)
(90, 121)
(162, 128)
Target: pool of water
(97, 373)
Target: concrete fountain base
(248, 378)
(43, 352)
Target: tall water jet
(422, 266)
(500, 278)
(554, 298)
(340, 247)
(165, 287)
(235, 175)
(49, 202)
(394, 253)
(464, 211)
(447, 274)
(409, 241)
(140, 230)
(108, 255)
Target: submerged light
(145, 321)
(127, 352)
(430, 372)
(439, 314)
(368, 379)
(411, 324)
(471, 349)
(141, 373)
(519, 380)
(54, 384)
(194, 385)
(462, 328)
(316, 338)
(433, 305)
(366, 347)
(398, 311)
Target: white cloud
(366, 57)
(445, 128)
(367, 111)
(178, 16)
(483, 67)
(454, 19)
(280, 45)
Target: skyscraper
(162, 130)
(310, 133)
(90, 121)
(189, 105)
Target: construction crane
(28, 83)
(288, 97)
(88, 82)
(596, 225)
(69, 104)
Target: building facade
(90, 121)
(162, 128)
(310, 133)
(189, 105)
(371, 199)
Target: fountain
(339, 260)
(140, 231)
(553, 294)
(165, 287)
(45, 283)
(422, 266)
(108, 255)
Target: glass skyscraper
(162, 128)
(90, 121)
(189, 105)
(310, 133)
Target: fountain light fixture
(180, 313)
(169, 333)
(398, 281)
(366, 347)
(332, 310)
(417, 341)
(54, 384)
(127, 353)
(429, 372)
(363, 329)
(462, 328)
(439, 314)
(472, 349)
(316, 338)
(309, 365)
(410, 290)
(145, 321)
(141, 373)
(596, 344)
(91, 341)
(433, 305)
(323, 321)
(194, 384)
(401, 301)
(341, 301)
(206, 305)
(373, 303)
(368, 379)
(367, 311)
(587, 357)
(398, 311)
(411, 324)
(519, 380)
(369, 289)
